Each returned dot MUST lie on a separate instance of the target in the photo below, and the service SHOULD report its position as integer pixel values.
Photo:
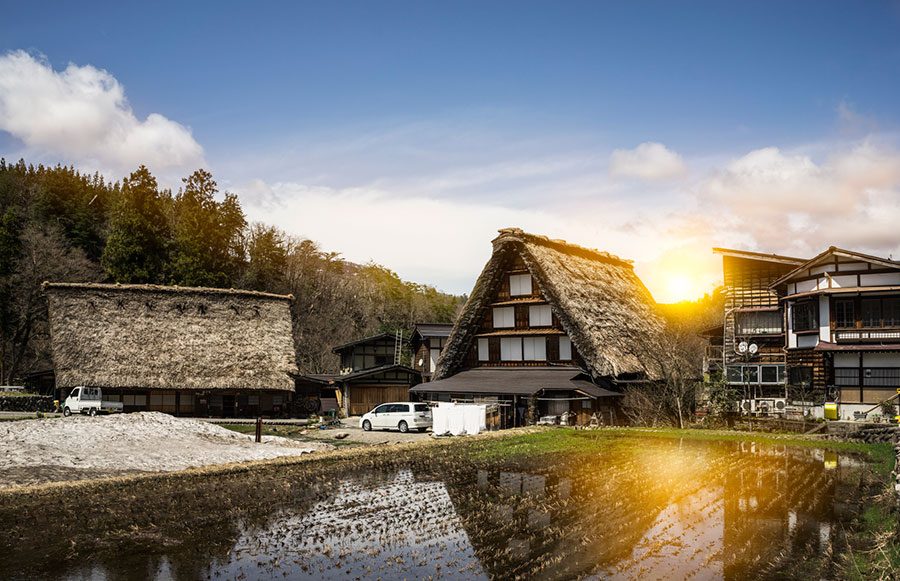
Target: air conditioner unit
(781, 405)
(748, 406)
(765, 406)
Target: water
(629, 508)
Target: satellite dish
(742, 347)
(753, 348)
(421, 361)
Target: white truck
(89, 400)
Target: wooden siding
(363, 397)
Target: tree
(45, 256)
(137, 249)
(208, 235)
(267, 254)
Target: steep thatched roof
(147, 336)
(602, 304)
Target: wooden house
(842, 322)
(753, 315)
(426, 343)
(549, 329)
(185, 351)
(371, 373)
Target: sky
(407, 133)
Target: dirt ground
(358, 436)
(46, 450)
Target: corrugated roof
(433, 329)
(515, 381)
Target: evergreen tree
(137, 248)
(207, 234)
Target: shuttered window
(534, 348)
(484, 352)
(540, 316)
(519, 284)
(504, 317)
(511, 349)
(565, 348)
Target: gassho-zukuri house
(185, 351)
(550, 328)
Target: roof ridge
(520, 235)
(163, 289)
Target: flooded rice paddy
(562, 506)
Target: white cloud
(648, 161)
(791, 203)
(82, 115)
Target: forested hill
(60, 225)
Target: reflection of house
(371, 374)
(195, 351)
(843, 328)
(752, 316)
(427, 342)
(549, 326)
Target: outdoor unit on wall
(781, 405)
(765, 406)
(748, 406)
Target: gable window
(565, 348)
(504, 317)
(534, 348)
(804, 316)
(540, 316)
(484, 352)
(891, 312)
(519, 285)
(844, 313)
(800, 376)
(510, 349)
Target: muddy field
(552, 504)
(77, 447)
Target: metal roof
(516, 381)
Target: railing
(866, 334)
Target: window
(800, 376)
(504, 317)
(510, 349)
(891, 312)
(534, 348)
(382, 409)
(565, 348)
(871, 312)
(733, 374)
(768, 374)
(804, 316)
(519, 284)
(421, 407)
(844, 313)
(758, 323)
(848, 376)
(540, 316)
(484, 352)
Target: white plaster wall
(846, 360)
(843, 281)
(886, 279)
(806, 285)
(881, 359)
(824, 319)
(821, 269)
(791, 337)
(845, 266)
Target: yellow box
(831, 411)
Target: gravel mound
(145, 442)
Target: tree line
(59, 224)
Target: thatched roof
(147, 336)
(601, 303)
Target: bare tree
(46, 256)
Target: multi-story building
(843, 329)
(751, 349)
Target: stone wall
(26, 403)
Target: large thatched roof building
(541, 306)
(182, 350)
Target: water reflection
(636, 509)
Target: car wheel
(67, 412)
(403, 426)
(367, 426)
(92, 412)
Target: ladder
(398, 346)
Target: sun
(680, 287)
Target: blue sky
(359, 124)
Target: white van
(404, 416)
